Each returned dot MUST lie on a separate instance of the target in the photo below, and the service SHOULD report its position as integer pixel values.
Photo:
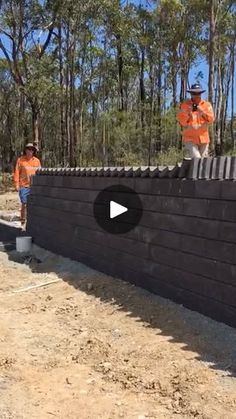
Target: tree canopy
(99, 82)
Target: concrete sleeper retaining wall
(184, 247)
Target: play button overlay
(117, 209)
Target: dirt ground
(91, 346)
(9, 201)
(94, 347)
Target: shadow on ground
(8, 234)
(214, 343)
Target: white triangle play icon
(116, 209)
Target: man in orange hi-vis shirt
(194, 116)
(26, 167)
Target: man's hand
(17, 188)
(201, 112)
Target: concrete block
(121, 171)
(227, 232)
(126, 181)
(174, 171)
(218, 168)
(184, 169)
(128, 171)
(228, 190)
(100, 171)
(205, 168)
(230, 211)
(181, 224)
(77, 171)
(152, 186)
(153, 171)
(163, 171)
(184, 261)
(145, 171)
(192, 282)
(207, 189)
(113, 172)
(93, 171)
(195, 207)
(152, 202)
(67, 171)
(160, 237)
(173, 205)
(193, 244)
(228, 163)
(221, 251)
(216, 209)
(83, 171)
(137, 171)
(183, 187)
(88, 171)
(232, 173)
(194, 168)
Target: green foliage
(102, 90)
(170, 157)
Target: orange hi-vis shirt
(25, 168)
(195, 124)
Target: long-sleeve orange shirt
(195, 124)
(24, 169)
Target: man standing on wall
(194, 116)
(26, 166)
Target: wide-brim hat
(196, 89)
(31, 145)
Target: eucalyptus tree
(21, 24)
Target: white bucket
(23, 244)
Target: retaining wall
(184, 247)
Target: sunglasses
(30, 148)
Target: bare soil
(92, 346)
(9, 206)
(9, 201)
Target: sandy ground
(9, 206)
(9, 201)
(91, 346)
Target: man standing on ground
(194, 116)
(26, 166)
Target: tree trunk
(228, 79)
(211, 60)
(142, 89)
(120, 70)
(35, 125)
(62, 111)
(81, 136)
(67, 118)
(233, 139)
(72, 124)
(174, 80)
(219, 105)
(211, 50)
(158, 145)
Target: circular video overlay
(117, 209)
